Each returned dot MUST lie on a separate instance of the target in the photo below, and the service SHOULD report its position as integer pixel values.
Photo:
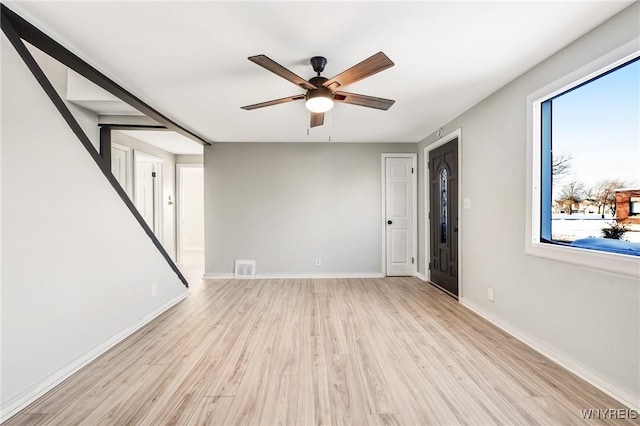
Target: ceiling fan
(323, 92)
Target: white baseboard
(319, 276)
(421, 276)
(23, 399)
(623, 396)
(218, 275)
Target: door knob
(389, 222)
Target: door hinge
(429, 265)
(413, 260)
(153, 174)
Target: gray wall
(586, 318)
(77, 268)
(189, 159)
(287, 204)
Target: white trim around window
(609, 262)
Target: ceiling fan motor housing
(318, 81)
(321, 91)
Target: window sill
(614, 263)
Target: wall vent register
(245, 269)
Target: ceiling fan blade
(366, 68)
(278, 69)
(317, 119)
(363, 100)
(273, 102)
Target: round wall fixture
(439, 133)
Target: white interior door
(119, 166)
(122, 167)
(399, 206)
(145, 202)
(148, 192)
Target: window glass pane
(443, 206)
(591, 155)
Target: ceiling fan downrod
(318, 63)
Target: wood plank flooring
(303, 352)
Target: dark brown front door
(443, 213)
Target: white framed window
(583, 146)
(634, 206)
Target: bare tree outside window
(605, 195)
(561, 165)
(571, 195)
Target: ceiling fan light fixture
(319, 100)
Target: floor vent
(245, 269)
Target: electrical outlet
(154, 290)
(490, 294)
(318, 262)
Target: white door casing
(399, 214)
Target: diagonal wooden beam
(32, 65)
(37, 38)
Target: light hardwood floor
(303, 352)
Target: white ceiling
(88, 95)
(167, 140)
(189, 59)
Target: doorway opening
(190, 213)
